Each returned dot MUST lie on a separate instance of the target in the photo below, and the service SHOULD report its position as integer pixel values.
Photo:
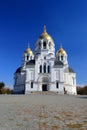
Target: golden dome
(61, 51)
(28, 50)
(45, 35)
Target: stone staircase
(45, 93)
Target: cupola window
(27, 57)
(61, 57)
(44, 45)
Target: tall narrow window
(27, 57)
(57, 85)
(61, 57)
(44, 45)
(48, 69)
(31, 84)
(40, 68)
(44, 68)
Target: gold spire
(28, 50)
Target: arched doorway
(45, 84)
(44, 87)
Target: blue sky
(22, 21)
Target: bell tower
(27, 56)
(61, 55)
(45, 44)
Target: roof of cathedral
(31, 62)
(18, 70)
(69, 69)
(45, 35)
(56, 62)
(61, 51)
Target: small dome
(18, 70)
(28, 51)
(45, 35)
(61, 51)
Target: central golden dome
(45, 35)
(61, 51)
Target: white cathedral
(45, 71)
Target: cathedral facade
(44, 70)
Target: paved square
(43, 112)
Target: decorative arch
(43, 82)
(44, 79)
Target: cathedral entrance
(43, 83)
(44, 87)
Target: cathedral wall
(29, 88)
(70, 78)
(60, 88)
(74, 91)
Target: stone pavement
(43, 111)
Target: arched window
(44, 45)
(48, 69)
(61, 57)
(44, 67)
(40, 68)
